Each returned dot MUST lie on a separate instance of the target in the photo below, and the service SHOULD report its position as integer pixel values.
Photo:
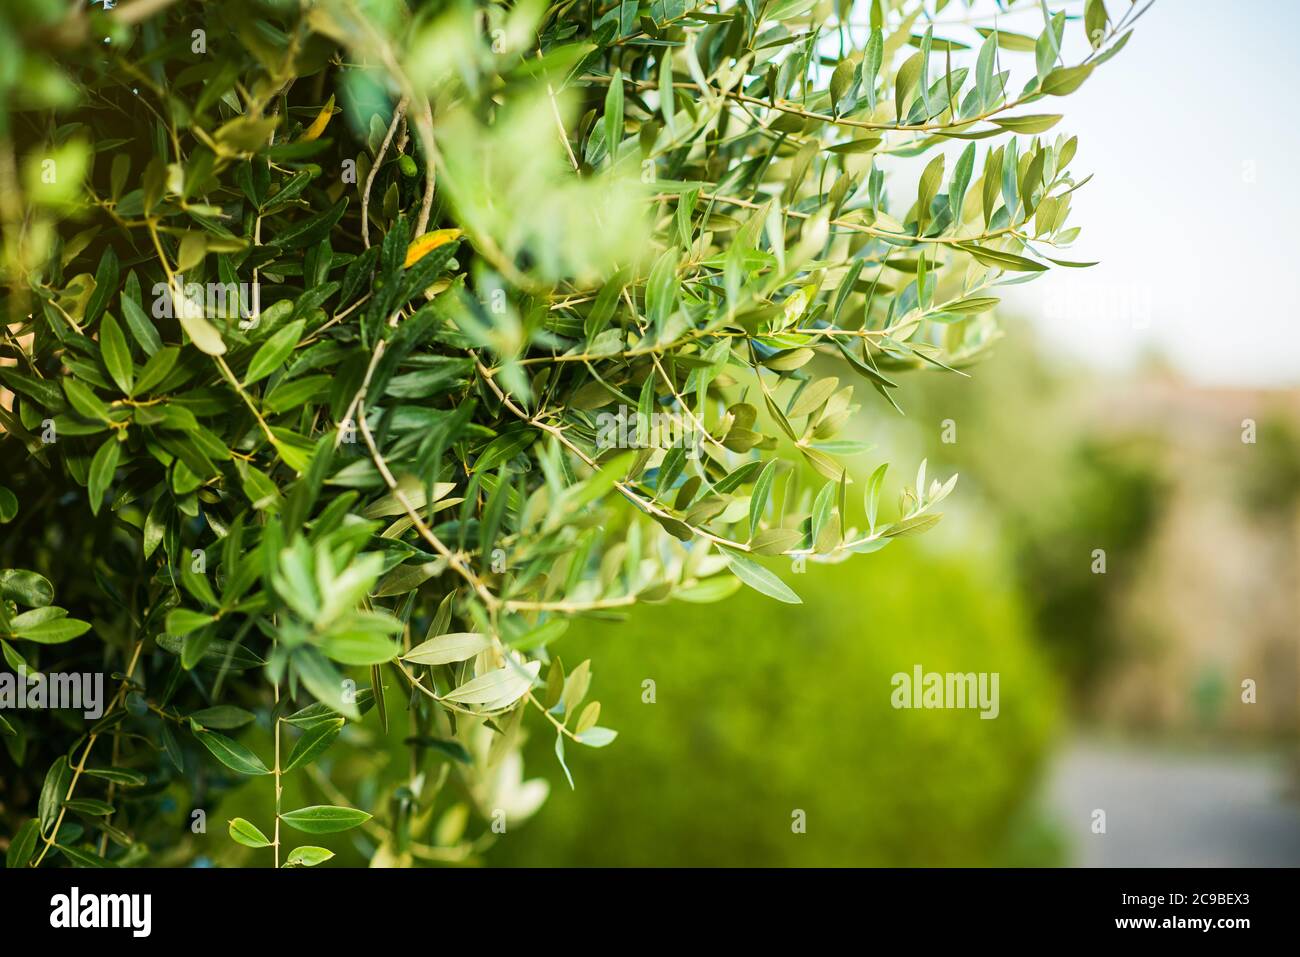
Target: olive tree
(353, 347)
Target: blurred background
(1121, 691)
(1147, 407)
(1123, 548)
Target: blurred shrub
(763, 708)
(1272, 484)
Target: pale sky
(1194, 208)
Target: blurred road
(1169, 808)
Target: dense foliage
(352, 347)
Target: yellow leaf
(428, 243)
(318, 125)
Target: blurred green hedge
(763, 708)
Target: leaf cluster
(337, 333)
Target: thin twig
(374, 170)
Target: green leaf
(16, 662)
(231, 753)
(912, 526)
(43, 391)
(812, 397)
(445, 649)
(203, 334)
(772, 541)
(871, 495)
(1017, 42)
(274, 351)
(53, 792)
(1038, 123)
(116, 353)
(91, 806)
(310, 230)
(597, 737)
(8, 505)
(85, 401)
(181, 621)
(324, 819)
(194, 647)
(22, 845)
(759, 578)
(992, 183)
(614, 114)
(667, 98)
(575, 687)
(822, 512)
(123, 777)
(54, 632)
(504, 448)
(1064, 80)
(1095, 19)
(1033, 178)
(984, 67)
(25, 588)
(927, 189)
(872, 58)
(559, 756)
(841, 81)
(102, 468)
(972, 305)
(307, 856)
(314, 742)
(497, 689)
(905, 81)
(762, 492)
(172, 747)
(661, 289)
(1000, 259)
(141, 326)
(288, 395)
(107, 274)
(1047, 48)
(602, 309)
(593, 489)
(157, 368)
(223, 717)
(864, 145)
(359, 646)
(36, 616)
(588, 718)
(961, 175)
(246, 833)
(290, 191)
(81, 858)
